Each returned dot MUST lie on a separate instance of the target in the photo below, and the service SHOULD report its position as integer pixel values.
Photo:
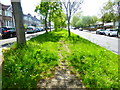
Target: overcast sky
(89, 7)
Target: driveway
(110, 43)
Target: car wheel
(11, 35)
(111, 35)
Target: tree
(43, 8)
(75, 19)
(59, 20)
(48, 9)
(18, 16)
(71, 6)
(94, 19)
(108, 12)
(85, 21)
(55, 14)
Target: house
(29, 20)
(0, 15)
(6, 18)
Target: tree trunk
(18, 17)
(50, 25)
(68, 26)
(46, 24)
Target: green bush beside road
(23, 67)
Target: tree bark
(18, 17)
(46, 23)
(68, 27)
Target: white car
(111, 32)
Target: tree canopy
(109, 12)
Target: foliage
(25, 26)
(109, 12)
(56, 15)
(74, 20)
(43, 8)
(83, 21)
(52, 11)
(59, 21)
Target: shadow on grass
(51, 36)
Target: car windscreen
(30, 28)
(113, 30)
(102, 30)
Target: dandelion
(14, 83)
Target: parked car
(100, 31)
(42, 29)
(80, 29)
(37, 29)
(75, 28)
(111, 32)
(7, 32)
(31, 29)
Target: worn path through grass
(63, 77)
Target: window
(8, 13)
(0, 12)
(25, 18)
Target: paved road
(110, 43)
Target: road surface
(110, 43)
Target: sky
(89, 7)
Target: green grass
(23, 67)
(97, 66)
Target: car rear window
(8, 28)
(11, 28)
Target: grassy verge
(97, 66)
(23, 67)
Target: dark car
(76, 28)
(7, 32)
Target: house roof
(5, 7)
(33, 18)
